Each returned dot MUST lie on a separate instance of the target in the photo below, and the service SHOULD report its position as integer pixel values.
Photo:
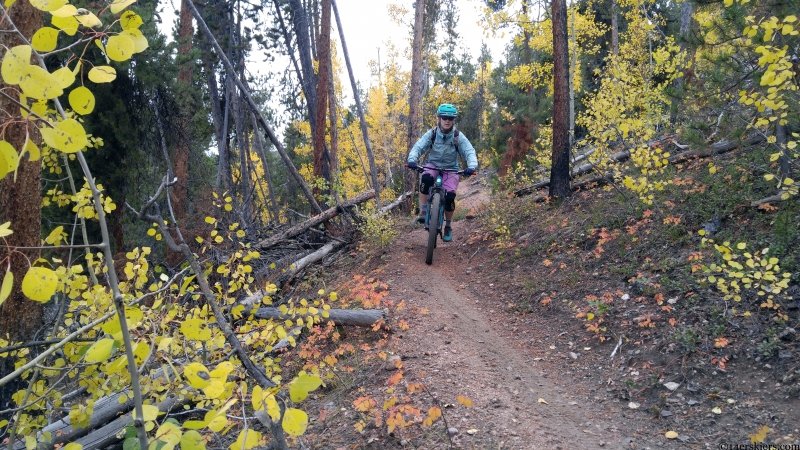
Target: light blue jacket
(443, 154)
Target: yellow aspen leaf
(197, 375)
(65, 11)
(48, 5)
(790, 19)
(87, 18)
(45, 39)
(81, 100)
(15, 64)
(295, 421)
(9, 159)
(99, 351)
(39, 284)
(8, 4)
(195, 329)
(73, 446)
(8, 283)
(31, 150)
(150, 412)
(139, 41)
(55, 236)
(786, 29)
(169, 433)
(40, 84)
(118, 5)
(760, 434)
(671, 435)
(215, 388)
(5, 229)
(192, 440)
(222, 370)
(247, 439)
(130, 20)
(120, 48)
(67, 136)
(465, 401)
(69, 25)
(64, 77)
(542, 401)
(302, 385)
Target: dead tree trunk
(322, 160)
(414, 100)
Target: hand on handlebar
(468, 172)
(411, 165)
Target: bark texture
(322, 160)
(20, 203)
(415, 96)
(559, 172)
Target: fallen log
(396, 203)
(352, 317)
(306, 261)
(717, 148)
(326, 215)
(114, 432)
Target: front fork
(437, 186)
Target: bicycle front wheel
(433, 224)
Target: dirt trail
(466, 345)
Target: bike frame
(436, 189)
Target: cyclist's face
(446, 125)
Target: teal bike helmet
(446, 109)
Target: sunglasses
(450, 118)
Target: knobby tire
(433, 224)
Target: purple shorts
(449, 179)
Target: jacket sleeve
(467, 151)
(420, 147)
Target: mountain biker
(445, 145)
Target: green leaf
(130, 20)
(192, 440)
(72, 446)
(48, 5)
(81, 100)
(196, 329)
(295, 421)
(102, 74)
(45, 39)
(302, 385)
(8, 283)
(15, 64)
(68, 25)
(120, 48)
(39, 284)
(99, 351)
(118, 5)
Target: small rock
(665, 413)
(784, 354)
(626, 297)
(692, 387)
(672, 385)
(573, 355)
(452, 431)
(692, 402)
(788, 334)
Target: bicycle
(435, 209)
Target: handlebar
(421, 169)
